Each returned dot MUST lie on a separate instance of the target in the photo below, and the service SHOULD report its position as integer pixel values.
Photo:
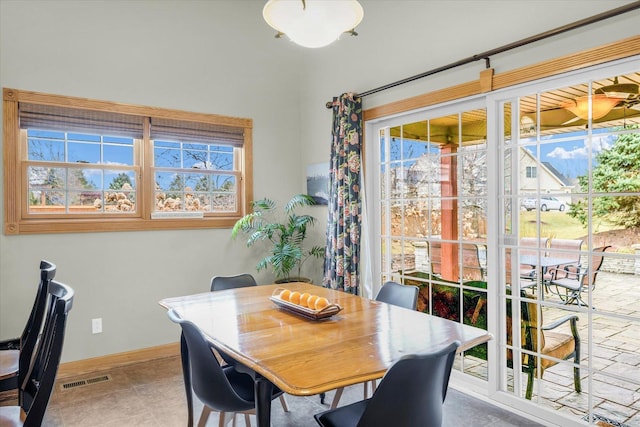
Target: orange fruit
(321, 303)
(311, 301)
(304, 298)
(285, 295)
(295, 297)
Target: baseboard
(110, 361)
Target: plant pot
(294, 279)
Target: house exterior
(551, 180)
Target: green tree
(120, 179)
(617, 171)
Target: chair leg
(247, 420)
(283, 402)
(529, 393)
(204, 416)
(576, 369)
(336, 398)
(366, 388)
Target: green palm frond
(287, 236)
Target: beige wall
(220, 57)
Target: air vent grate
(85, 382)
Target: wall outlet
(96, 326)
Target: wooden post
(449, 220)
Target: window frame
(532, 172)
(17, 220)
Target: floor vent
(82, 383)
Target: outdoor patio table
(544, 262)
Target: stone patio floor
(612, 380)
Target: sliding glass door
(432, 200)
(519, 212)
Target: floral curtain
(342, 256)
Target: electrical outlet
(96, 326)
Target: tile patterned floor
(152, 394)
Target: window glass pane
(221, 160)
(167, 155)
(123, 197)
(46, 146)
(46, 188)
(84, 179)
(395, 146)
(474, 170)
(118, 154)
(79, 152)
(195, 157)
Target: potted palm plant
(285, 234)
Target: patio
(614, 385)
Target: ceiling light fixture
(313, 23)
(601, 106)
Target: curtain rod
(485, 55)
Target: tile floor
(152, 394)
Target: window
(79, 165)
(531, 171)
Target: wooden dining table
(302, 356)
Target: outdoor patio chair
(531, 246)
(553, 344)
(566, 249)
(435, 257)
(473, 268)
(573, 281)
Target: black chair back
(401, 295)
(37, 387)
(410, 394)
(417, 384)
(34, 324)
(210, 381)
(220, 283)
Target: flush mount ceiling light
(313, 23)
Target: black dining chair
(411, 394)
(18, 352)
(221, 283)
(219, 387)
(405, 296)
(35, 391)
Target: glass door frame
(493, 102)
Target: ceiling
(553, 117)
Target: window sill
(45, 226)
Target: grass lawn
(555, 224)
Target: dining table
(305, 355)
